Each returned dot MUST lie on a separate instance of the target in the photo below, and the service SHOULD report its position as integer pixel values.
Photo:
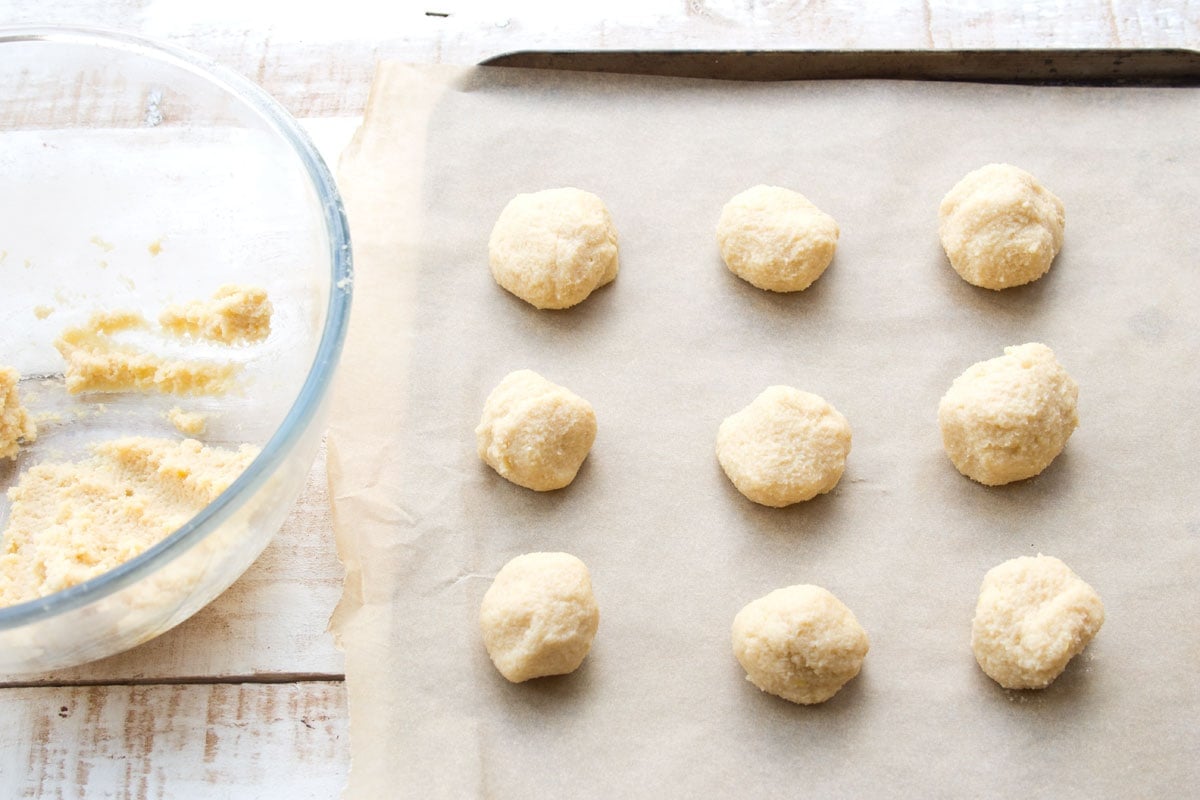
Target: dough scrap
(189, 423)
(776, 239)
(1007, 418)
(16, 425)
(539, 616)
(234, 315)
(1033, 616)
(553, 248)
(785, 447)
(535, 433)
(800, 643)
(1000, 227)
(97, 362)
(71, 521)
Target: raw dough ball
(800, 643)
(552, 248)
(534, 432)
(776, 239)
(785, 447)
(1000, 227)
(1007, 418)
(539, 616)
(1033, 616)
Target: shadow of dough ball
(800, 643)
(554, 248)
(1033, 616)
(776, 239)
(1007, 418)
(539, 616)
(1000, 227)
(534, 432)
(785, 447)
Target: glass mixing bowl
(137, 175)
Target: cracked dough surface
(553, 248)
(539, 616)
(1000, 227)
(800, 643)
(785, 447)
(1033, 616)
(534, 432)
(1008, 418)
(776, 239)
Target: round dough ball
(552, 248)
(800, 643)
(1033, 616)
(785, 447)
(776, 239)
(535, 433)
(539, 616)
(1000, 227)
(1007, 418)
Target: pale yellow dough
(71, 521)
(535, 433)
(16, 425)
(800, 643)
(1007, 418)
(191, 423)
(1000, 227)
(1033, 616)
(554, 248)
(234, 315)
(776, 239)
(97, 362)
(539, 616)
(785, 447)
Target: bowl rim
(320, 373)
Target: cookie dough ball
(552, 248)
(776, 239)
(535, 433)
(800, 643)
(785, 447)
(1000, 227)
(1033, 616)
(1007, 418)
(539, 616)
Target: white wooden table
(246, 699)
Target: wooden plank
(271, 623)
(192, 740)
(320, 69)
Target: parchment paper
(660, 708)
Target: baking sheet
(675, 344)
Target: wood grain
(197, 740)
(320, 64)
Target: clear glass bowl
(138, 175)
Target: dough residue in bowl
(16, 425)
(98, 362)
(73, 520)
(189, 423)
(234, 315)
